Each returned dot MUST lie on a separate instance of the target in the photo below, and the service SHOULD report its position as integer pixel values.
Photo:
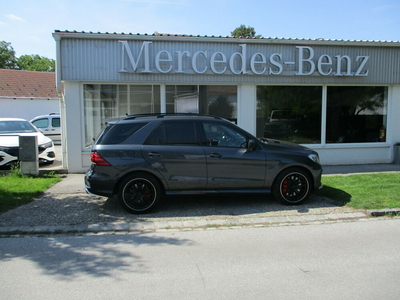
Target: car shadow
(66, 209)
(236, 205)
(225, 205)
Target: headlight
(314, 157)
(47, 145)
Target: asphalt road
(352, 260)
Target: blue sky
(28, 24)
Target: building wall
(133, 59)
(127, 59)
(27, 108)
(76, 155)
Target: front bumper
(7, 159)
(45, 157)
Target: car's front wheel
(292, 186)
(139, 193)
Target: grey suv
(143, 157)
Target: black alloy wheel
(292, 186)
(139, 193)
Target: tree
(35, 62)
(7, 56)
(244, 32)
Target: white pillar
(247, 107)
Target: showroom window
(218, 100)
(356, 114)
(290, 113)
(105, 101)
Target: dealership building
(338, 97)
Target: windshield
(17, 126)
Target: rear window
(118, 133)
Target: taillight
(97, 159)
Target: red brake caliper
(285, 186)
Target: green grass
(17, 189)
(367, 191)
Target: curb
(384, 212)
(181, 225)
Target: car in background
(10, 130)
(50, 125)
(281, 125)
(141, 158)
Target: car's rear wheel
(139, 193)
(292, 186)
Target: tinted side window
(218, 134)
(174, 133)
(41, 123)
(55, 122)
(119, 133)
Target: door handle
(215, 155)
(154, 154)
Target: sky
(28, 24)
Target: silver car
(143, 157)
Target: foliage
(300, 100)
(7, 56)
(34, 62)
(367, 191)
(358, 99)
(17, 189)
(244, 32)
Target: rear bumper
(98, 185)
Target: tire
(139, 193)
(292, 186)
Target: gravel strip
(59, 209)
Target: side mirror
(251, 145)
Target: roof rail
(162, 115)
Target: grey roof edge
(206, 38)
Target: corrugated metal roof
(75, 34)
(27, 84)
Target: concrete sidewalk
(70, 191)
(357, 169)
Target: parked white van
(50, 126)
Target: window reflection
(356, 114)
(290, 113)
(217, 100)
(106, 101)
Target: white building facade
(340, 98)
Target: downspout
(57, 38)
